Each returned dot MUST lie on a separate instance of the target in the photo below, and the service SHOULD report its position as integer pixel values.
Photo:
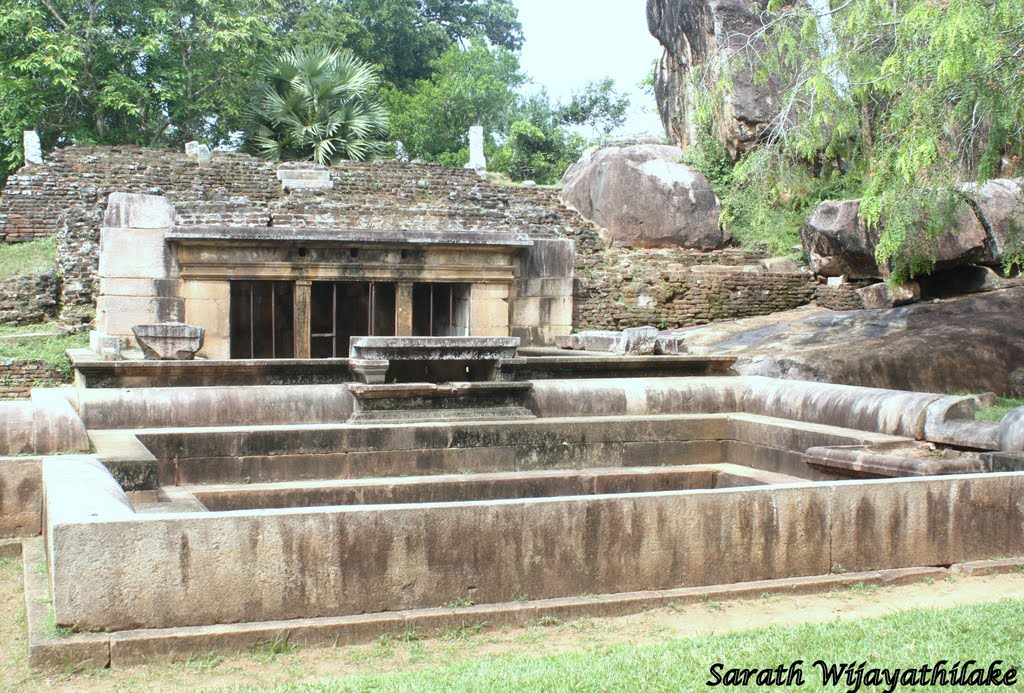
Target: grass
(25, 259)
(984, 633)
(48, 349)
(999, 410)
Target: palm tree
(319, 105)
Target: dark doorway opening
(341, 310)
(440, 310)
(262, 320)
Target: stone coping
(396, 390)
(336, 236)
(79, 652)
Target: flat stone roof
(347, 236)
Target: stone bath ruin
(425, 458)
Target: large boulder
(837, 241)
(639, 195)
(699, 34)
(973, 343)
(1000, 203)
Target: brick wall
(613, 288)
(29, 300)
(17, 378)
(675, 288)
(842, 297)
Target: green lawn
(910, 639)
(24, 259)
(997, 412)
(48, 349)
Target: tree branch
(53, 11)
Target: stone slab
(137, 647)
(21, 496)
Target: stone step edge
(78, 652)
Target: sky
(571, 42)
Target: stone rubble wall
(842, 297)
(671, 289)
(29, 300)
(17, 378)
(614, 288)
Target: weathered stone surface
(640, 196)
(904, 522)
(968, 343)
(635, 341)
(172, 341)
(699, 35)
(838, 243)
(199, 153)
(1011, 431)
(33, 149)
(780, 264)
(885, 295)
(652, 541)
(21, 496)
(1000, 202)
(1017, 383)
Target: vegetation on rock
(897, 103)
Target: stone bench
(429, 359)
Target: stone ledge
(134, 647)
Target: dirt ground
(274, 666)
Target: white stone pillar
(33, 149)
(477, 161)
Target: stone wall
(29, 300)
(17, 378)
(672, 288)
(614, 288)
(840, 297)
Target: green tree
(318, 105)
(599, 105)
(470, 86)
(143, 72)
(403, 37)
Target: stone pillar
(488, 310)
(208, 305)
(302, 308)
(403, 309)
(477, 161)
(138, 274)
(33, 149)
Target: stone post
(303, 298)
(33, 149)
(403, 309)
(477, 161)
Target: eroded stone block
(169, 341)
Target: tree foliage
(894, 101)
(471, 86)
(318, 105)
(141, 72)
(165, 72)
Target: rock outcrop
(640, 196)
(984, 228)
(705, 33)
(973, 343)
